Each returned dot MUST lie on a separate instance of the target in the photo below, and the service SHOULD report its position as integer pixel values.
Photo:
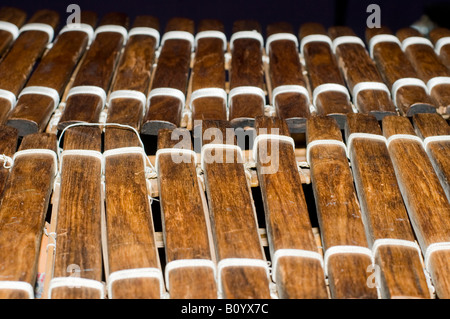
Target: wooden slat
(428, 125)
(357, 66)
(8, 144)
(444, 53)
(209, 72)
(338, 211)
(12, 15)
(32, 111)
(96, 69)
(246, 70)
(384, 212)
(287, 219)
(323, 68)
(285, 69)
(18, 64)
(427, 65)
(184, 217)
(22, 213)
(427, 205)
(233, 216)
(172, 71)
(394, 65)
(78, 229)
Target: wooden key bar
(296, 262)
(17, 65)
(77, 272)
(208, 97)
(440, 38)
(246, 97)
(167, 97)
(369, 93)
(290, 97)
(330, 93)
(242, 268)
(429, 68)
(41, 95)
(190, 267)
(8, 145)
(11, 19)
(347, 256)
(400, 273)
(87, 96)
(435, 131)
(409, 93)
(22, 214)
(428, 207)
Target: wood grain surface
(12, 15)
(8, 145)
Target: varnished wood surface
(32, 111)
(209, 72)
(12, 15)
(287, 219)
(233, 217)
(323, 68)
(185, 220)
(285, 69)
(78, 230)
(424, 197)
(96, 69)
(172, 71)
(444, 53)
(384, 213)
(394, 65)
(338, 211)
(23, 211)
(18, 64)
(427, 65)
(246, 70)
(8, 144)
(357, 66)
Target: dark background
(394, 14)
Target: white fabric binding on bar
(184, 263)
(280, 36)
(172, 151)
(112, 28)
(415, 40)
(135, 273)
(179, 35)
(169, 92)
(255, 35)
(403, 137)
(437, 138)
(279, 138)
(345, 249)
(437, 81)
(78, 282)
(88, 89)
(379, 38)
(315, 38)
(293, 253)
(440, 43)
(347, 39)
(394, 242)
(42, 90)
(362, 86)
(18, 285)
(89, 153)
(406, 82)
(209, 92)
(145, 31)
(212, 34)
(39, 151)
(352, 136)
(432, 248)
(222, 146)
(10, 96)
(81, 27)
(246, 90)
(126, 151)
(11, 28)
(322, 142)
(129, 94)
(329, 87)
(39, 27)
(289, 89)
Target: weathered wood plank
(8, 145)
(12, 15)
